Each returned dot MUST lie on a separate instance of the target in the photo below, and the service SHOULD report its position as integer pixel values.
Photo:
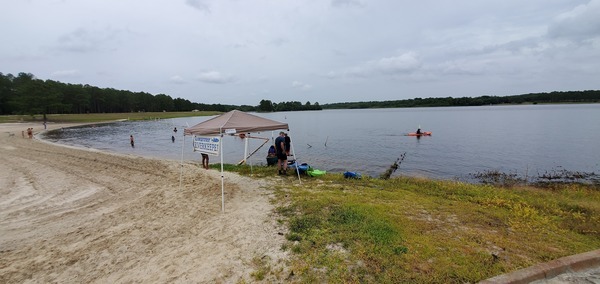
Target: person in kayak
(419, 131)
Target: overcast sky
(242, 51)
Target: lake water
(528, 139)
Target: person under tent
(281, 154)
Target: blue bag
(352, 175)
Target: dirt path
(73, 215)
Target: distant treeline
(534, 98)
(268, 106)
(25, 94)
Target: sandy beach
(80, 215)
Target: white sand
(75, 215)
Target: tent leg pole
(297, 162)
(246, 150)
(222, 178)
(181, 164)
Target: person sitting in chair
(271, 156)
(272, 152)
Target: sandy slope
(73, 215)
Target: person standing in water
(131, 141)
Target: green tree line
(532, 98)
(25, 94)
(268, 106)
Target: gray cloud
(338, 3)
(176, 79)
(278, 41)
(199, 4)
(215, 77)
(65, 73)
(78, 41)
(395, 65)
(301, 86)
(84, 40)
(580, 24)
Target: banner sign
(208, 145)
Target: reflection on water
(532, 138)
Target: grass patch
(414, 230)
(262, 268)
(248, 170)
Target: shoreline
(76, 214)
(558, 175)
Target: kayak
(425, 133)
(315, 172)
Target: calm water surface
(530, 139)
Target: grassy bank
(424, 231)
(99, 117)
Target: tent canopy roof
(240, 121)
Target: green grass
(426, 231)
(99, 117)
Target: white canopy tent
(233, 122)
